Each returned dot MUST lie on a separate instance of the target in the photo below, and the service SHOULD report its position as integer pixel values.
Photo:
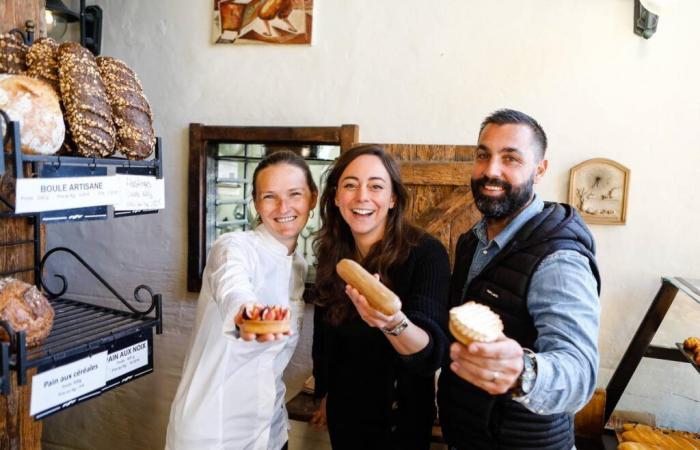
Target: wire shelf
(11, 140)
(79, 328)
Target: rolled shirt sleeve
(563, 302)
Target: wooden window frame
(202, 136)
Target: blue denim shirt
(563, 303)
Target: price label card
(74, 214)
(51, 194)
(63, 384)
(138, 192)
(127, 359)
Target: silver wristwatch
(398, 329)
(527, 378)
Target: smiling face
(283, 200)
(364, 197)
(506, 166)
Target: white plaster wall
(419, 72)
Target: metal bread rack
(80, 329)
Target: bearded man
(533, 263)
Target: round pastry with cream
(474, 322)
(260, 319)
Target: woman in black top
(375, 372)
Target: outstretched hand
(492, 366)
(267, 337)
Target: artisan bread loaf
(35, 105)
(13, 54)
(42, 62)
(25, 309)
(88, 114)
(130, 109)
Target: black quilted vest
(470, 417)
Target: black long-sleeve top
(376, 397)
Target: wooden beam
(465, 152)
(19, 430)
(15, 13)
(444, 173)
(308, 135)
(196, 201)
(349, 135)
(439, 216)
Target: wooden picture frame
(598, 189)
(268, 22)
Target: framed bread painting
(262, 21)
(598, 189)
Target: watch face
(527, 379)
(527, 384)
(398, 329)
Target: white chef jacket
(231, 395)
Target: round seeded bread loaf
(26, 309)
(34, 104)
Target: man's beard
(513, 199)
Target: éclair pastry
(378, 296)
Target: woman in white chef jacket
(231, 395)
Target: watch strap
(398, 329)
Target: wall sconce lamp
(647, 13)
(58, 16)
(645, 21)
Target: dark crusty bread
(130, 109)
(13, 54)
(88, 114)
(42, 62)
(25, 309)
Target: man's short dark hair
(511, 116)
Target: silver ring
(495, 376)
